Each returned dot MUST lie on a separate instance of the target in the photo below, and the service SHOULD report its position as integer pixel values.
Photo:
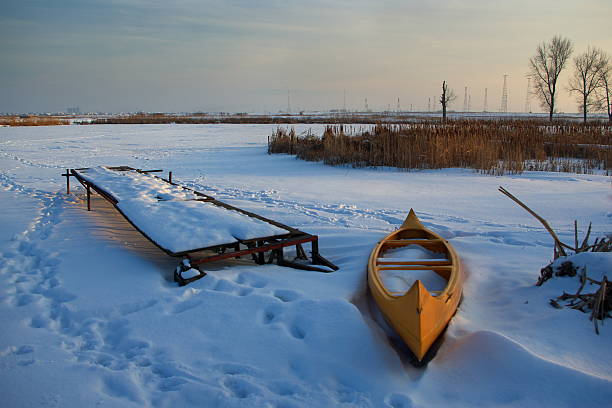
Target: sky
(256, 56)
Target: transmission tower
(288, 101)
(469, 103)
(398, 105)
(485, 101)
(366, 105)
(465, 100)
(528, 96)
(344, 101)
(428, 104)
(504, 99)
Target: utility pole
(428, 104)
(485, 100)
(465, 100)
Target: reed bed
(155, 118)
(32, 121)
(491, 147)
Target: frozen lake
(90, 314)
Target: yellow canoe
(432, 279)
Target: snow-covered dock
(184, 222)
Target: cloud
(197, 53)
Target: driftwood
(601, 244)
(558, 244)
(565, 269)
(598, 303)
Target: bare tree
(586, 79)
(448, 96)
(605, 86)
(546, 66)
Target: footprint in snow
(271, 313)
(297, 331)
(286, 295)
(186, 305)
(129, 308)
(236, 369)
(231, 287)
(284, 388)
(241, 388)
(23, 299)
(396, 400)
(251, 280)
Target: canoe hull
(416, 315)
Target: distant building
(73, 111)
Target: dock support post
(317, 259)
(88, 197)
(67, 181)
(261, 255)
(170, 177)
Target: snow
(90, 314)
(171, 216)
(400, 281)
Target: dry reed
(32, 121)
(492, 147)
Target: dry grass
(492, 147)
(32, 121)
(203, 118)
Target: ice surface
(92, 321)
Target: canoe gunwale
(374, 267)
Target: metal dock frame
(256, 247)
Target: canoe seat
(405, 261)
(403, 242)
(421, 267)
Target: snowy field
(90, 315)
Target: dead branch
(598, 303)
(559, 251)
(585, 243)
